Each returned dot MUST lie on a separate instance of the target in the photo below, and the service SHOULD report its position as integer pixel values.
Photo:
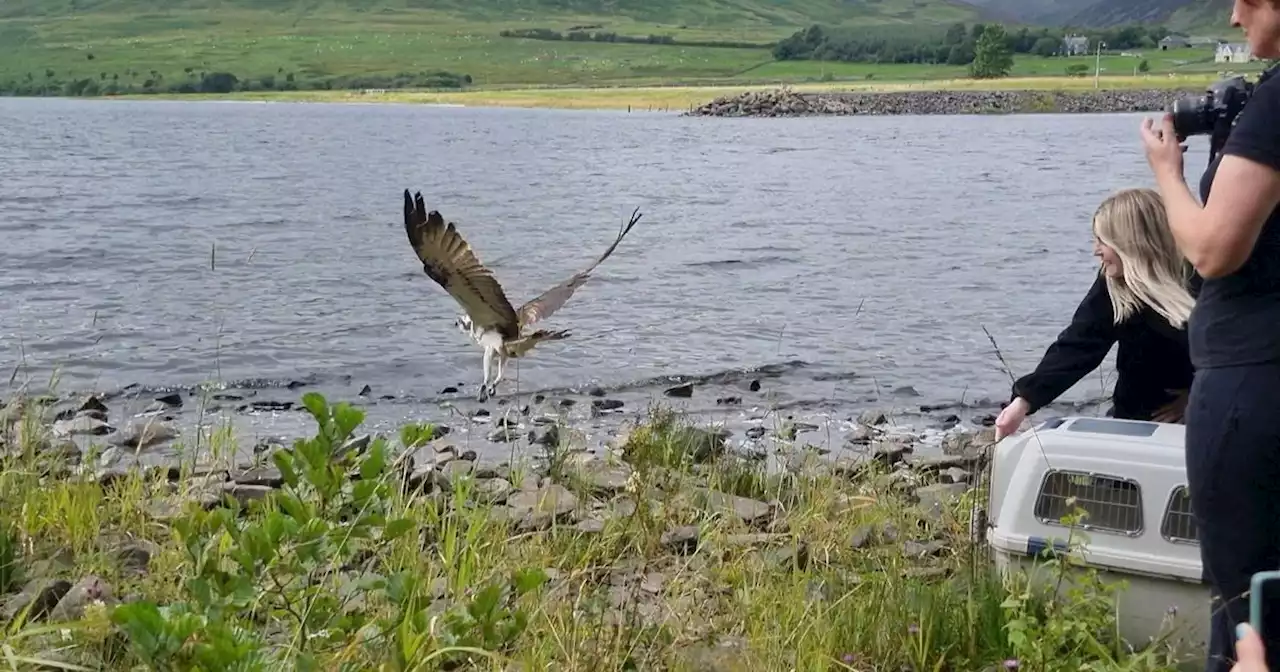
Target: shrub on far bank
(110, 84)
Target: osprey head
(463, 322)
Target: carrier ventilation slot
(1110, 504)
(1179, 526)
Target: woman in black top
(1140, 299)
(1233, 415)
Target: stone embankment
(785, 102)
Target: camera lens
(1191, 115)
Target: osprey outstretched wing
(448, 259)
(551, 300)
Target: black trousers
(1233, 471)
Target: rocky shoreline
(663, 534)
(784, 102)
(160, 435)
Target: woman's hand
(1011, 417)
(1173, 411)
(1250, 655)
(1164, 153)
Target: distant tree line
(49, 83)
(954, 46)
(583, 34)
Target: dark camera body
(1212, 112)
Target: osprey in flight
(489, 320)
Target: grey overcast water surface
(760, 240)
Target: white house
(1075, 45)
(1233, 52)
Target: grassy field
(176, 45)
(343, 553)
(338, 39)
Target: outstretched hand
(1164, 152)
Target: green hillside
(132, 45)
(1177, 14)
(703, 13)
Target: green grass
(345, 567)
(332, 41)
(126, 45)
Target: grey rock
(590, 526)
(245, 494)
(862, 435)
(681, 539)
(923, 549)
(82, 425)
(603, 477)
(784, 102)
(872, 418)
(939, 462)
(935, 498)
(136, 556)
(862, 535)
(748, 510)
(540, 507)
(85, 592)
(492, 490)
(42, 595)
(143, 434)
(268, 476)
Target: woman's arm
(1218, 237)
(1079, 349)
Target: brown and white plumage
(490, 319)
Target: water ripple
(872, 249)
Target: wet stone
(862, 435)
(170, 400)
(684, 391)
(872, 418)
(890, 453)
(505, 435)
(606, 404)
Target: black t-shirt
(1236, 320)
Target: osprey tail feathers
(521, 346)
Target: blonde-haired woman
(1140, 299)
